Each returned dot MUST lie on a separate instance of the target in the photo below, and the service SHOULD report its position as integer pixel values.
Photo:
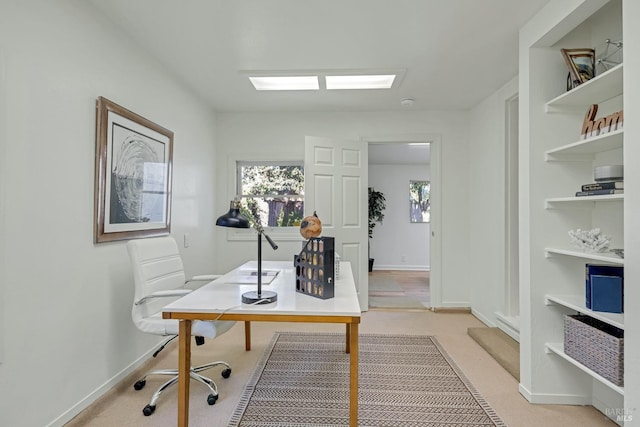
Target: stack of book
(601, 188)
(604, 286)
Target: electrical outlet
(403, 258)
(186, 240)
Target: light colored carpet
(122, 405)
(408, 380)
(500, 346)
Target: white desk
(222, 300)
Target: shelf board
(581, 201)
(558, 348)
(601, 88)
(576, 302)
(584, 149)
(607, 257)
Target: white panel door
(335, 187)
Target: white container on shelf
(608, 173)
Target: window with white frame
(271, 192)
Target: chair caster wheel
(211, 399)
(139, 385)
(226, 373)
(148, 410)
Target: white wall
(487, 183)
(398, 244)
(67, 299)
(255, 134)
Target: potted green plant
(377, 205)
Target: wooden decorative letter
(587, 124)
(615, 120)
(592, 127)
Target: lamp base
(266, 297)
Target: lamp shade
(233, 218)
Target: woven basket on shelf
(597, 345)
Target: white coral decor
(590, 240)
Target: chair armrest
(161, 294)
(197, 281)
(207, 277)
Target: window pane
(419, 202)
(272, 193)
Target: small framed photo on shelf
(133, 175)
(581, 64)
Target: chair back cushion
(157, 266)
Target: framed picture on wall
(133, 175)
(419, 201)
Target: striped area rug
(405, 381)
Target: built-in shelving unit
(604, 257)
(560, 162)
(585, 149)
(601, 88)
(558, 349)
(576, 302)
(556, 202)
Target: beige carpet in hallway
(504, 349)
(123, 405)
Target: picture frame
(133, 175)
(419, 201)
(581, 64)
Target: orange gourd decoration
(311, 226)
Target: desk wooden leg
(184, 366)
(353, 374)
(247, 335)
(348, 336)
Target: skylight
(360, 81)
(333, 80)
(285, 83)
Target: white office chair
(159, 279)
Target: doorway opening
(400, 245)
(508, 318)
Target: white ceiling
(454, 53)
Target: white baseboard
(554, 399)
(509, 325)
(455, 304)
(525, 392)
(483, 318)
(505, 324)
(100, 391)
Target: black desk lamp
(234, 219)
